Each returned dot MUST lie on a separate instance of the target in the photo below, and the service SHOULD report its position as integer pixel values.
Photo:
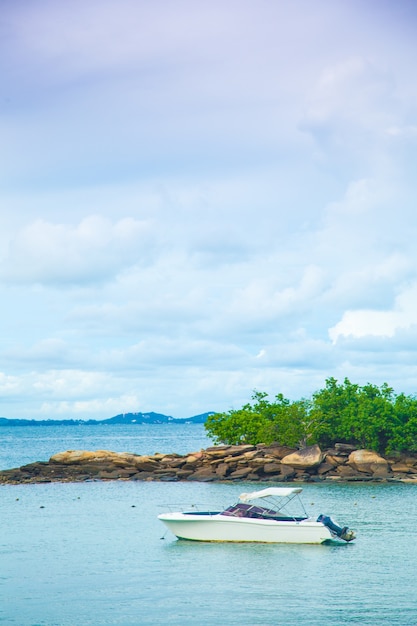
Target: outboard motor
(343, 532)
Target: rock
(304, 458)
(273, 468)
(183, 473)
(346, 471)
(242, 472)
(381, 471)
(336, 459)
(237, 460)
(344, 447)
(203, 474)
(173, 461)
(248, 456)
(287, 471)
(302, 476)
(238, 450)
(262, 460)
(146, 464)
(368, 462)
(324, 468)
(222, 470)
(400, 467)
(276, 451)
(191, 460)
(411, 461)
(104, 475)
(84, 456)
(142, 476)
(217, 451)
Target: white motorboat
(259, 516)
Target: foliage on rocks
(365, 416)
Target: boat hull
(224, 528)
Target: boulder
(173, 462)
(346, 471)
(286, 472)
(305, 458)
(183, 473)
(240, 473)
(276, 451)
(273, 468)
(222, 470)
(368, 462)
(83, 456)
(335, 459)
(191, 459)
(343, 448)
(146, 464)
(324, 468)
(204, 474)
(411, 461)
(218, 452)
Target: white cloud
(363, 323)
(107, 407)
(95, 249)
(354, 90)
(263, 299)
(8, 384)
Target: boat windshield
(271, 503)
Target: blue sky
(199, 199)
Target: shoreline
(222, 463)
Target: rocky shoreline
(221, 463)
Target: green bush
(369, 417)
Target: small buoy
(17, 499)
(133, 506)
(41, 507)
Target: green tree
(404, 436)
(264, 421)
(330, 409)
(244, 425)
(368, 416)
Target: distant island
(123, 418)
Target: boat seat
(258, 512)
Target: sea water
(95, 553)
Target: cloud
(363, 323)
(96, 249)
(80, 408)
(355, 91)
(8, 384)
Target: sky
(202, 199)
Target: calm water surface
(93, 553)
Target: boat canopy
(276, 492)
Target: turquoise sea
(95, 554)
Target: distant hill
(123, 418)
(155, 418)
